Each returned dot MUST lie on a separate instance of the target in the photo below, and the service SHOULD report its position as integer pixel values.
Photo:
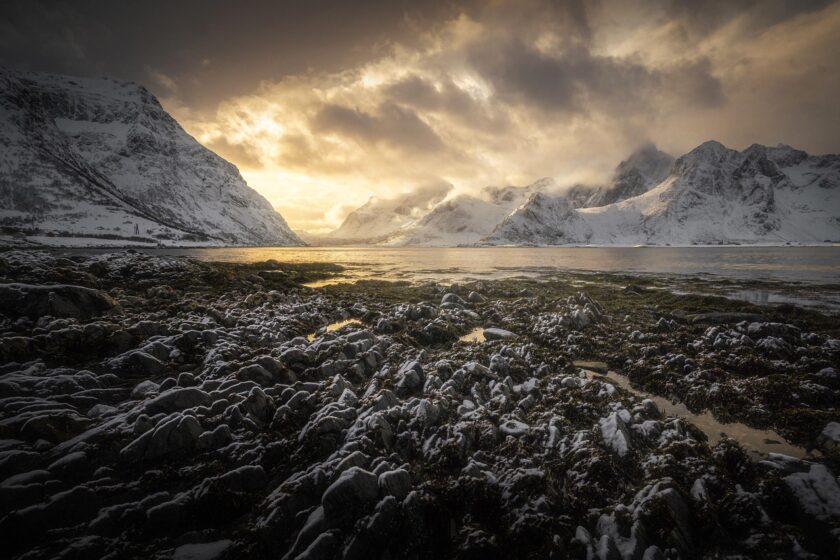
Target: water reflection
(830, 299)
(808, 264)
(332, 327)
(475, 335)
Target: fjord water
(813, 265)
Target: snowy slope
(543, 220)
(712, 195)
(465, 219)
(101, 158)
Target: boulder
(497, 334)
(177, 399)
(395, 483)
(453, 299)
(60, 300)
(174, 434)
(409, 378)
(202, 551)
(54, 426)
(475, 297)
(829, 439)
(143, 389)
(353, 488)
(817, 492)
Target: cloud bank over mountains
(354, 101)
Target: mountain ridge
(710, 195)
(87, 158)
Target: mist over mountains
(711, 195)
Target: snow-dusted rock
(177, 399)
(175, 434)
(817, 492)
(616, 433)
(493, 333)
(353, 488)
(17, 300)
(395, 483)
(829, 438)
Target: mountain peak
(111, 163)
(710, 147)
(710, 152)
(648, 161)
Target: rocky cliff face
(98, 158)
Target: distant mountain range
(711, 195)
(96, 161)
(87, 161)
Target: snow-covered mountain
(543, 220)
(381, 217)
(711, 195)
(466, 219)
(97, 158)
(645, 168)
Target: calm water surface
(801, 264)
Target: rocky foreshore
(163, 407)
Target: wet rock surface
(195, 410)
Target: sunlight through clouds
(497, 96)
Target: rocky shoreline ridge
(157, 406)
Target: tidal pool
(332, 327)
(475, 335)
(758, 443)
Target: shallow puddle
(598, 367)
(765, 297)
(475, 335)
(330, 281)
(332, 327)
(758, 443)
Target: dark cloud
(523, 75)
(694, 83)
(212, 49)
(392, 125)
(576, 82)
(414, 90)
(447, 99)
(702, 17)
(569, 19)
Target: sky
(323, 104)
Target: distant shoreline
(93, 243)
